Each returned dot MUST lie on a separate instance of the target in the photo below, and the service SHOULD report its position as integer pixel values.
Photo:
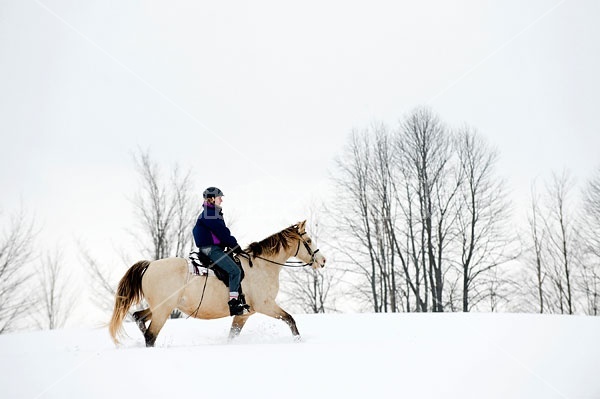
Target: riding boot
(237, 308)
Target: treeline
(420, 221)
(423, 223)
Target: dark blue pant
(217, 255)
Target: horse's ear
(302, 227)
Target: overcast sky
(258, 98)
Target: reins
(289, 263)
(201, 298)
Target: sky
(415, 355)
(259, 98)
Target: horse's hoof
(297, 338)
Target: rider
(212, 236)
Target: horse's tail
(129, 292)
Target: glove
(238, 250)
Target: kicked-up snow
(339, 356)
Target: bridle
(293, 263)
(312, 254)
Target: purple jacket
(210, 228)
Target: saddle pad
(197, 269)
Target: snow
(340, 355)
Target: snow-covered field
(340, 356)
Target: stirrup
(237, 307)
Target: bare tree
(166, 210)
(56, 298)
(590, 286)
(391, 259)
(561, 234)
(501, 289)
(590, 283)
(537, 249)
(16, 250)
(410, 239)
(424, 143)
(352, 207)
(482, 221)
(565, 250)
(554, 250)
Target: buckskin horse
(167, 284)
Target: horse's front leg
(237, 324)
(281, 314)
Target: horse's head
(308, 252)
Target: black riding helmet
(212, 192)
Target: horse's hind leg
(141, 317)
(236, 325)
(157, 323)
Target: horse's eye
(309, 241)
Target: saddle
(201, 261)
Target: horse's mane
(274, 243)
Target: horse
(167, 284)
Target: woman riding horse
(212, 236)
(167, 284)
